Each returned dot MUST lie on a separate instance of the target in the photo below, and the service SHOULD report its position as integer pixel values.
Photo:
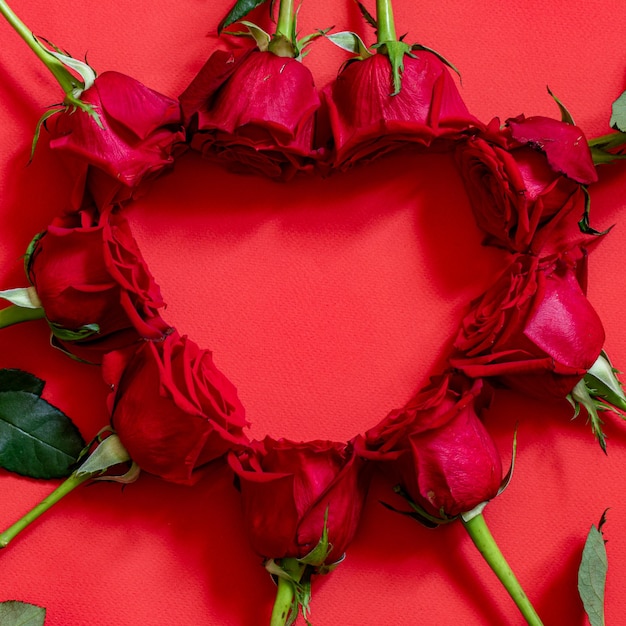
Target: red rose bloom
(86, 269)
(142, 129)
(534, 330)
(524, 178)
(173, 410)
(253, 111)
(437, 448)
(368, 121)
(287, 488)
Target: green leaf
(65, 334)
(347, 40)
(36, 438)
(14, 613)
(618, 115)
(566, 116)
(18, 380)
(592, 574)
(241, 9)
(24, 297)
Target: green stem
(59, 71)
(608, 141)
(62, 490)
(286, 591)
(284, 25)
(484, 541)
(384, 17)
(15, 314)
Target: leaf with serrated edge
(592, 576)
(36, 438)
(14, 613)
(618, 115)
(19, 380)
(240, 10)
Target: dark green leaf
(241, 9)
(18, 380)
(36, 439)
(592, 576)
(14, 613)
(618, 116)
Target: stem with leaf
(286, 591)
(475, 525)
(108, 453)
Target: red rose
(86, 269)
(142, 129)
(368, 121)
(253, 111)
(522, 179)
(534, 329)
(437, 448)
(173, 410)
(287, 488)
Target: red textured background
(327, 302)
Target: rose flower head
(253, 111)
(132, 135)
(368, 119)
(93, 284)
(524, 179)
(437, 449)
(289, 489)
(534, 330)
(173, 410)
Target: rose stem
(286, 590)
(284, 26)
(610, 140)
(486, 544)
(63, 76)
(14, 314)
(62, 490)
(384, 18)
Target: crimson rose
(437, 448)
(173, 410)
(288, 487)
(368, 121)
(524, 178)
(533, 330)
(93, 284)
(142, 130)
(253, 111)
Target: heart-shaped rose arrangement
(174, 412)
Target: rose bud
(134, 137)
(289, 488)
(437, 449)
(94, 287)
(367, 120)
(173, 410)
(533, 330)
(523, 179)
(254, 112)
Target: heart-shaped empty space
(327, 302)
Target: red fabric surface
(327, 303)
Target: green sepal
(603, 384)
(580, 396)
(65, 334)
(419, 46)
(29, 251)
(618, 113)
(239, 10)
(351, 42)
(41, 122)
(509, 475)
(15, 613)
(583, 224)
(23, 297)
(302, 43)
(419, 514)
(592, 574)
(367, 16)
(319, 554)
(566, 116)
(395, 50)
(283, 46)
(261, 37)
